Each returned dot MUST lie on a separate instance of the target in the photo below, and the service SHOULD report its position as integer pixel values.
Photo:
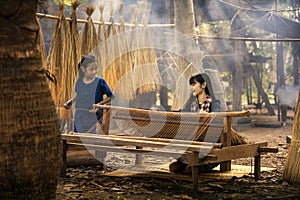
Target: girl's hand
(68, 104)
(94, 110)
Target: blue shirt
(87, 95)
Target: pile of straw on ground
(292, 166)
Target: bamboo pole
(42, 15)
(184, 114)
(101, 22)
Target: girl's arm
(104, 101)
(69, 103)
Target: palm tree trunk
(184, 17)
(30, 143)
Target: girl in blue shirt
(90, 90)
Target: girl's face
(198, 88)
(90, 71)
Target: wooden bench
(169, 134)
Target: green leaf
(69, 2)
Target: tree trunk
(280, 79)
(237, 75)
(189, 58)
(30, 144)
(260, 89)
(295, 63)
(241, 57)
(184, 17)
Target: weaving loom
(171, 134)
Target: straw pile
(292, 166)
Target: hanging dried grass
(146, 76)
(100, 36)
(123, 86)
(55, 55)
(72, 55)
(89, 39)
(111, 68)
(291, 171)
(41, 42)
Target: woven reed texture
(161, 125)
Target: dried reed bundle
(122, 83)
(89, 39)
(72, 55)
(291, 171)
(115, 64)
(108, 51)
(41, 42)
(101, 9)
(102, 36)
(111, 71)
(55, 55)
(146, 76)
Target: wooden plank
(235, 152)
(78, 146)
(268, 149)
(94, 139)
(215, 145)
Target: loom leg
(101, 155)
(195, 179)
(257, 167)
(138, 157)
(225, 166)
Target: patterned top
(204, 107)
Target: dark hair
(200, 78)
(84, 62)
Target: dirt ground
(118, 181)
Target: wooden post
(105, 121)
(195, 179)
(226, 141)
(101, 155)
(257, 167)
(64, 159)
(138, 157)
(193, 161)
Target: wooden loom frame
(221, 152)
